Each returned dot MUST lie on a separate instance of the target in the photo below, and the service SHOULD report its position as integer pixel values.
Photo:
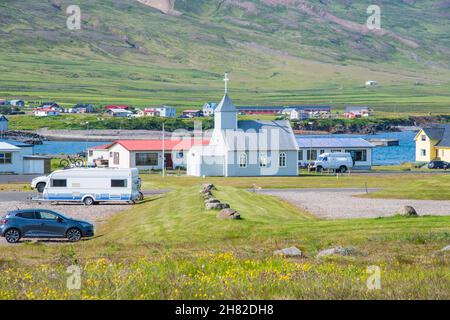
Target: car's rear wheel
(12, 235)
(343, 169)
(88, 201)
(73, 235)
(40, 187)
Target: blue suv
(41, 223)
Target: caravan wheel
(88, 201)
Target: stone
(208, 187)
(408, 211)
(229, 214)
(211, 200)
(347, 251)
(216, 206)
(447, 248)
(289, 252)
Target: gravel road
(342, 203)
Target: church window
(283, 160)
(263, 160)
(243, 160)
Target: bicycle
(70, 162)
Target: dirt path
(342, 203)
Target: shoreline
(113, 135)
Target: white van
(93, 185)
(339, 161)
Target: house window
(443, 153)
(424, 137)
(311, 155)
(116, 183)
(180, 155)
(335, 151)
(358, 155)
(91, 153)
(263, 160)
(243, 160)
(59, 183)
(300, 155)
(147, 159)
(282, 160)
(423, 152)
(6, 158)
(116, 156)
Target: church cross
(226, 79)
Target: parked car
(340, 162)
(41, 223)
(39, 183)
(438, 164)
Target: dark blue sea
(382, 155)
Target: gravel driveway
(342, 203)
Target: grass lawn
(169, 247)
(399, 185)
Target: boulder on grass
(447, 248)
(289, 252)
(408, 211)
(208, 187)
(347, 251)
(216, 206)
(211, 200)
(229, 214)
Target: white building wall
(253, 168)
(124, 157)
(97, 154)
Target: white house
(245, 148)
(148, 154)
(17, 103)
(18, 158)
(312, 148)
(163, 112)
(209, 109)
(98, 156)
(371, 83)
(3, 123)
(46, 112)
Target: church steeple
(225, 116)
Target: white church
(244, 148)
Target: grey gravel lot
(344, 203)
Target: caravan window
(59, 183)
(118, 183)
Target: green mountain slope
(277, 51)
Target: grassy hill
(277, 51)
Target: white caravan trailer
(93, 185)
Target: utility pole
(164, 151)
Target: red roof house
(117, 107)
(148, 154)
